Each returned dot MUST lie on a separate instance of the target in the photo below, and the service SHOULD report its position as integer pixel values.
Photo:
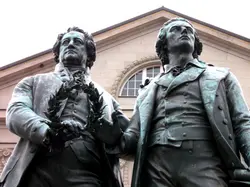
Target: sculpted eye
(175, 28)
(65, 42)
(190, 30)
(78, 42)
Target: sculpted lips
(184, 37)
(70, 51)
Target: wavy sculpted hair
(90, 46)
(161, 43)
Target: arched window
(131, 87)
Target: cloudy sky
(31, 26)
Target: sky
(28, 27)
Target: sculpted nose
(184, 30)
(71, 43)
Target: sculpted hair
(90, 46)
(161, 43)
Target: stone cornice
(12, 74)
(109, 35)
(164, 9)
(223, 44)
(163, 13)
(2, 116)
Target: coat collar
(194, 62)
(64, 74)
(191, 74)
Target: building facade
(125, 57)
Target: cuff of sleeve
(40, 133)
(115, 148)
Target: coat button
(232, 164)
(220, 107)
(33, 149)
(184, 134)
(225, 121)
(230, 137)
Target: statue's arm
(123, 121)
(126, 143)
(130, 137)
(20, 117)
(240, 115)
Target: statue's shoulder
(146, 89)
(43, 75)
(215, 72)
(35, 77)
(46, 74)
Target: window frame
(144, 76)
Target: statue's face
(180, 37)
(73, 49)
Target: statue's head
(75, 47)
(177, 35)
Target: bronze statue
(191, 122)
(58, 117)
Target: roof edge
(25, 59)
(128, 21)
(176, 13)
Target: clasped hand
(59, 134)
(107, 131)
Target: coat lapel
(63, 75)
(189, 75)
(146, 103)
(209, 84)
(165, 80)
